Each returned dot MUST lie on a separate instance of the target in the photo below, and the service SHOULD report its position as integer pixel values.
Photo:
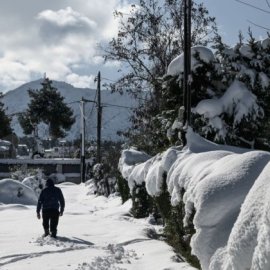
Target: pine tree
(244, 123)
(206, 83)
(5, 128)
(248, 63)
(48, 106)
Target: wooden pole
(82, 107)
(99, 114)
(187, 68)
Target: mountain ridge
(113, 118)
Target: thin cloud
(57, 37)
(64, 22)
(81, 81)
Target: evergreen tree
(248, 63)
(206, 83)
(5, 128)
(238, 82)
(48, 106)
(149, 37)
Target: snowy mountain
(113, 118)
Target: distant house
(22, 150)
(6, 149)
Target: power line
(93, 104)
(113, 105)
(250, 5)
(109, 120)
(257, 25)
(109, 80)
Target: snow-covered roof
(5, 143)
(3, 148)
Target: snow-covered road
(94, 233)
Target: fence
(70, 168)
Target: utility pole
(187, 67)
(99, 114)
(82, 108)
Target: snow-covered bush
(219, 201)
(105, 174)
(105, 183)
(33, 178)
(148, 188)
(122, 187)
(20, 172)
(142, 203)
(36, 183)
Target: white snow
(94, 233)
(129, 159)
(35, 183)
(249, 72)
(264, 79)
(266, 43)
(246, 51)
(176, 67)
(14, 192)
(249, 242)
(237, 101)
(228, 189)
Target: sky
(60, 38)
(232, 16)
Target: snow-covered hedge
(227, 187)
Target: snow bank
(215, 181)
(150, 171)
(36, 183)
(176, 67)
(14, 192)
(266, 43)
(249, 241)
(216, 185)
(246, 51)
(129, 159)
(58, 177)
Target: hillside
(113, 118)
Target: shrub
(177, 235)
(122, 187)
(142, 202)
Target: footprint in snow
(63, 242)
(116, 255)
